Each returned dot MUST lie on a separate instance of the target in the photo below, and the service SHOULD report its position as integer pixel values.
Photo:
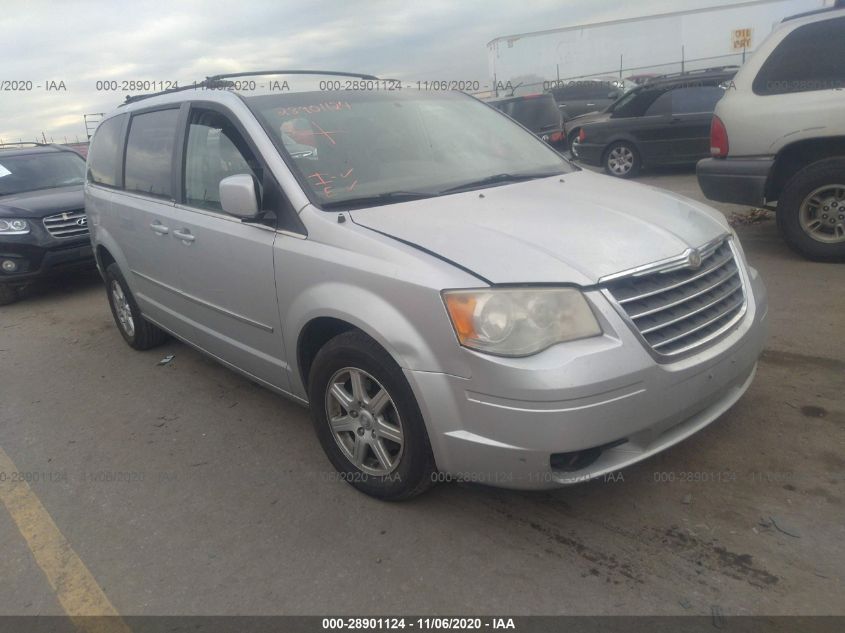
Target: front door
(692, 112)
(225, 264)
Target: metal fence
(519, 87)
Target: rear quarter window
(149, 153)
(103, 158)
(696, 100)
(812, 57)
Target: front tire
(139, 333)
(621, 160)
(811, 211)
(367, 419)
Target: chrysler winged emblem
(694, 259)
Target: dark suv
(665, 121)
(575, 97)
(43, 227)
(537, 112)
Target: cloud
(82, 42)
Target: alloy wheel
(122, 309)
(364, 421)
(620, 160)
(822, 214)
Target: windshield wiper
(497, 179)
(387, 197)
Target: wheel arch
(103, 257)
(326, 310)
(107, 251)
(313, 336)
(796, 156)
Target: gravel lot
(185, 489)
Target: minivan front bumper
(584, 409)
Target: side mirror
(238, 196)
(614, 94)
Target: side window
(149, 153)
(661, 105)
(103, 159)
(694, 100)
(215, 151)
(809, 58)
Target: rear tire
(811, 211)
(8, 294)
(572, 143)
(367, 419)
(139, 333)
(621, 160)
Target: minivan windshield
(41, 170)
(380, 148)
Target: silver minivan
(451, 297)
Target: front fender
(422, 341)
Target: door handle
(184, 235)
(159, 228)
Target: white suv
(779, 134)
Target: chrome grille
(68, 224)
(677, 307)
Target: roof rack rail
(697, 71)
(838, 5)
(20, 143)
(223, 81)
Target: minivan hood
(548, 231)
(42, 202)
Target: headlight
(519, 322)
(14, 227)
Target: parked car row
(447, 293)
(777, 139)
(664, 121)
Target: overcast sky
(81, 42)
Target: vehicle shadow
(61, 286)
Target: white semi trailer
(654, 44)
